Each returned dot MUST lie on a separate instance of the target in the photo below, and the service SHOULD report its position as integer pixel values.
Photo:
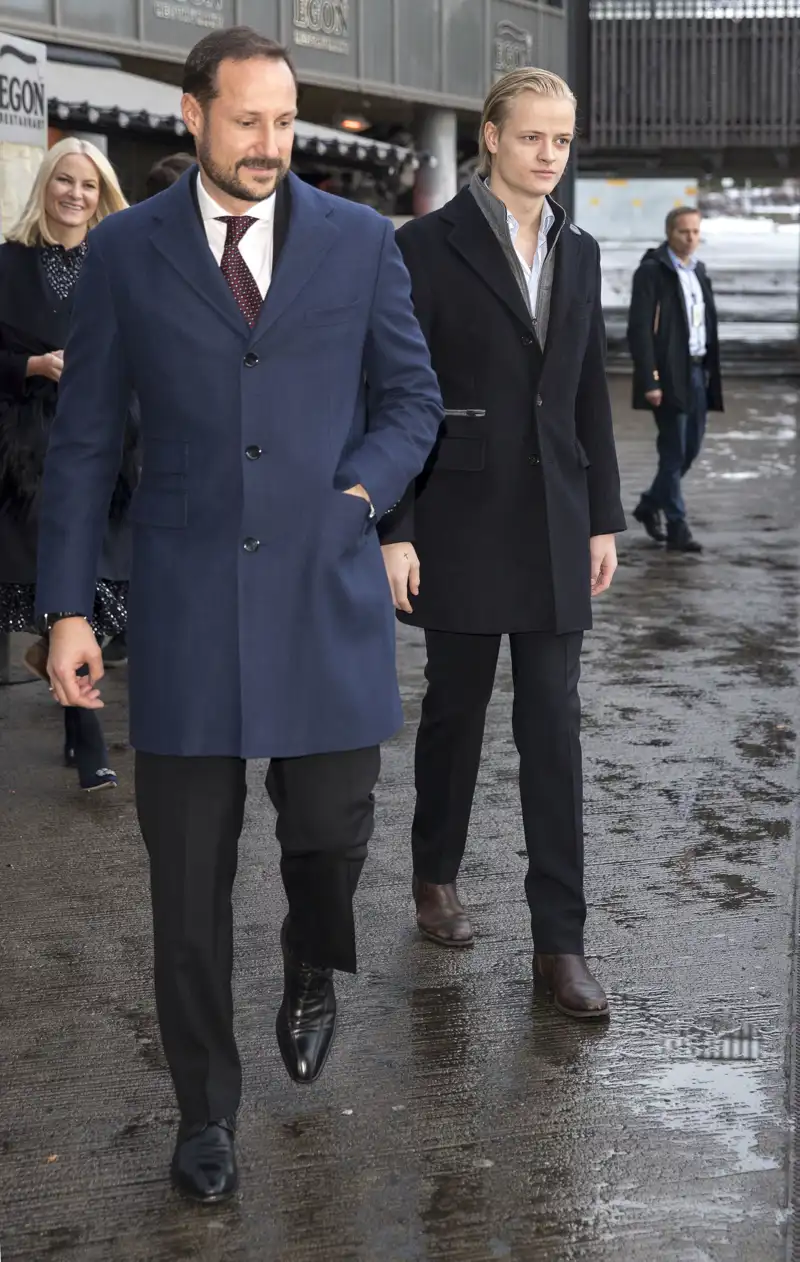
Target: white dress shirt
(694, 303)
(255, 246)
(533, 274)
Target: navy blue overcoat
(260, 617)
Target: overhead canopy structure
(97, 96)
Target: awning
(100, 97)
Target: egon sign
(23, 92)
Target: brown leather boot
(440, 915)
(575, 992)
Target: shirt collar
(211, 209)
(548, 214)
(547, 221)
(689, 266)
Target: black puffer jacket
(658, 335)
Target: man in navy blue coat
(254, 317)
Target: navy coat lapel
(180, 237)
(474, 240)
(311, 233)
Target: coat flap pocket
(463, 424)
(461, 455)
(331, 315)
(164, 509)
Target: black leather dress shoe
(204, 1163)
(650, 518)
(681, 539)
(306, 1018)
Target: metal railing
(688, 74)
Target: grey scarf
(496, 215)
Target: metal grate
(688, 73)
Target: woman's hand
(402, 571)
(50, 366)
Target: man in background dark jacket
(672, 333)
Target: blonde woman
(40, 263)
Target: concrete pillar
(436, 184)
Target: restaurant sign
(322, 24)
(23, 91)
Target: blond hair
(31, 228)
(506, 90)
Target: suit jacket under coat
(525, 469)
(260, 619)
(35, 321)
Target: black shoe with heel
(85, 750)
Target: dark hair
(677, 213)
(166, 171)
(234, 43)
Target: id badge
(698, 315)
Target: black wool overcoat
(525, 469)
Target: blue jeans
(680, 437)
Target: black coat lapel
(474, 240)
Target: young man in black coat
(512, 522)
(672, 333)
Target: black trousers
(191, 812)
(546, 727)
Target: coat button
(250, 359)
(251, 545)
(534, 460)
(527, 340)
(252, 453)
(539, 400)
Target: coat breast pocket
(339, 314)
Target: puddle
(719, 1100)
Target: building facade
(409, 75)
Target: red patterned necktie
(235, 270)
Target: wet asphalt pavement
(460, 1119)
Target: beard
(229, 181)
